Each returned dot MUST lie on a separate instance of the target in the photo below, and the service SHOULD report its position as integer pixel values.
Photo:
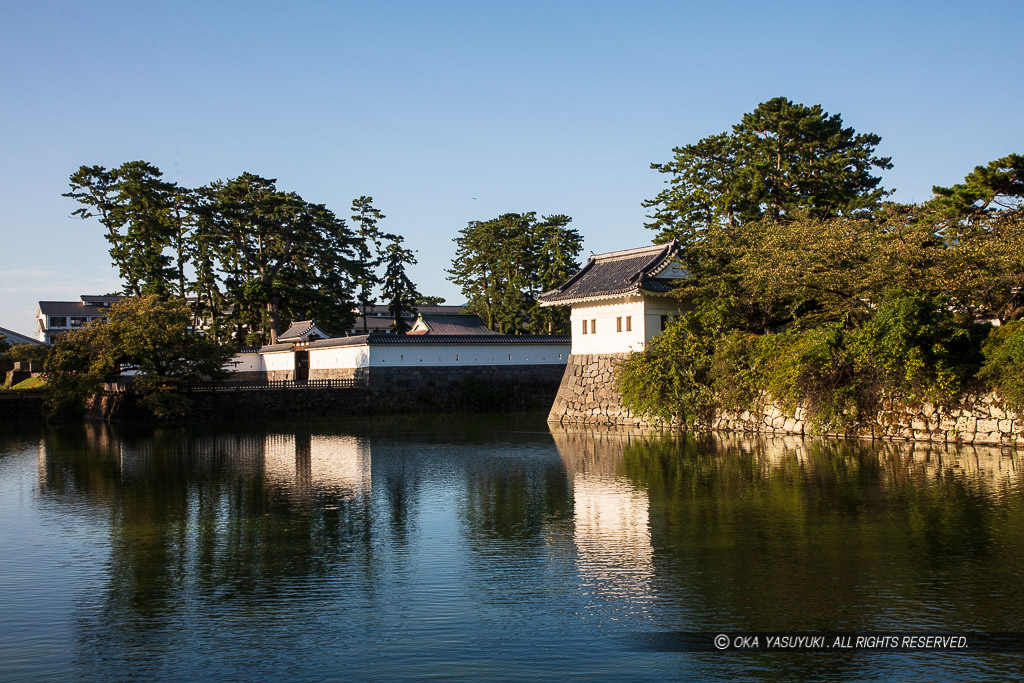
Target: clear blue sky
(447, 112)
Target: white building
(621, 300)
(54, 318)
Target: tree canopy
(505, 263)
(249, 256)
(147, 336)
(780, 161)
(837, 311)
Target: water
(492, 547)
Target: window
(61, 321)
(629, 323)
(584, 327)
(664, 321)
(618, 324)
(77, 322)
(593, 327)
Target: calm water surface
(492, 547)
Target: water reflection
(375, 552)
(611, 516)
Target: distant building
(13, 337)
(427, 323)
(379, 318)
(54, 318)
(620, 300)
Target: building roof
(76, 308)
(105, 300)
(419, 339)
(373, 323)
(381, 310)
(617, 273)
(302, 330)
(450, 324)
(13, 337)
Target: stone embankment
(587, 395)
(381, 391)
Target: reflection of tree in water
(515, 500)
(789, 534)
(221, 519)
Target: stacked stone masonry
(587, 395)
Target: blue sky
(458, 111)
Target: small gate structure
(301, 366)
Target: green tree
(397, 289)
(505, 263)
(365, 217)
(144, 218)
(283, 258)
(781, 159)
(147, 335)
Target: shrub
(1003, 367)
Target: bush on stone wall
(1004, 364)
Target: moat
(467, 547)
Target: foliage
(4, 344)
(1004, 364)
(913, 349)
(140, 213)
(780, 159)
(368, 248)
(397, 289)
(27, 352)
(505, 263)
(284, 258)
(671, 379)
(250, 256)
(146, 335)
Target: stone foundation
(587, 395)
(386, 390)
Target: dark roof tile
(618, 273)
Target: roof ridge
(636, 251)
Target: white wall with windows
(619, 325)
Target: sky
(449, 112)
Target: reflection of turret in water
(611, 516)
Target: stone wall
(587, 395)
(587, 392)
(387, 390)
(19, 407)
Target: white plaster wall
(245, 362)
(339, 357)
(281, 360)
(435, 355)
(607, 339)
(657, 307)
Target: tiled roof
(414, 339)
(443, 309)
(618, 273)
(100, 300)
(300, 330)
(454, 324)
(372, 323)
(13, 337)
(270, 348)
(76, 308)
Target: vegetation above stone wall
(831, 308)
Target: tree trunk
(272, 317)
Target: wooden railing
(281, 384)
